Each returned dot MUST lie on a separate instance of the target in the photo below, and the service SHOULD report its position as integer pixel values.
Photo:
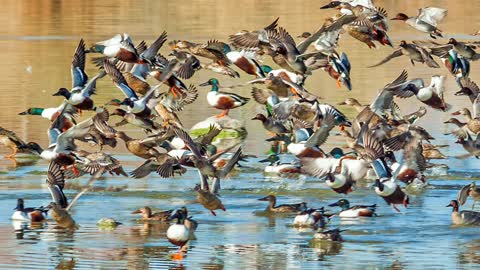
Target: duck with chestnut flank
(354, 211)
(33, 214)
(223, 100)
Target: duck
(62, 217)
(329, 235)
(414, 52)
(470, 145)
(309, 218)
(470, 190)
(338, 68)
(463, 217)
(223, 100)
(164, 164)
(121, 47)
(9, 139)
(213, 50)
(431, 151)
(141, 148)
(23, 213)
(431, 95)
(179, 233)
(473, 122)
(386, 187)
(91, 163)
(271, 125)
(246, 62)
(130, 118)
(465, 50)
(82, 88)
(283, 208)
(426, 20)
(275, 167)
(52, 113)
(147, 214)
(354, 211)
(468, 88)
(187, 65)
(221, 69)
(209, 200)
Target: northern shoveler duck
(213, 50)
(147, 214)
(179, 233)
(62, 217)
(271, 124)
(310, 218)
(329, 235)
(470, 145)
(468, 88)
(470, 190)
(52, 113)
(121, 47)
(23, 213)
(275, 167)
(223, 100)
(11, 140)
(141, 148)
(283, 208)
(354, 211)
(91, 163)
(209, 200)
(414, 52)
(246, 62)
(473, 122)
(130, 118)
(426, 20)
(188, 64)
(386, 187)
(463, 217)
(431, 95)
(164, 164)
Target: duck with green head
(354, 211)
(223, 100)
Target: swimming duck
(470, 190)
(354, 211)
(11, 140)
(463, 217)
(329, 235)
(178, 233)
(426, 20)
(283, 208)
(275, 167)
(147, 214)
(29, 214)
(121, 47)
(223, 100)
(310, 218)
(414, 52)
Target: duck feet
(213, 213)
(223, 114)
(178, 256)
(339, 83)
(396, 208)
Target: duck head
(400, 17)
(343, 203)
(403, 43)
(304, 35)
(268, 198)
(33, 111)
(266, 69)
(332, 4)
(378, 184)
(34, 147)
(63, 92)
(454, 204)
(350, 102)
(178, 214)
(272, 159)
(260, 117)
(213, 82)
(20, 205)
(127, 102)
(452, 41)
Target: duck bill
(450, 205)
(456, 113)
(333, 204)
(342, 103)
(57, 94)
(263, 199)
(264, 160)
(459, 93)
(23, 113)
(138, 211)
(174, 215)
(204, 84)
(255, 118)
(332, 4)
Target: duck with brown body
(283, 208)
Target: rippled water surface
(37, 39)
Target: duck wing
(152, 50)
(56, 183)
(427, 58)
(431, 15)
(396, 53)
(79, 77)
(185, 137)
(119, 80)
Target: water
(37, 40)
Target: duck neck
(345, 206)
(215, 87)
(455, 209)
(468, 115)
(147, 213)
(20, 206)
(272, 202)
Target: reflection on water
(37, 40)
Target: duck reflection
(470, 253)
(325, 248)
